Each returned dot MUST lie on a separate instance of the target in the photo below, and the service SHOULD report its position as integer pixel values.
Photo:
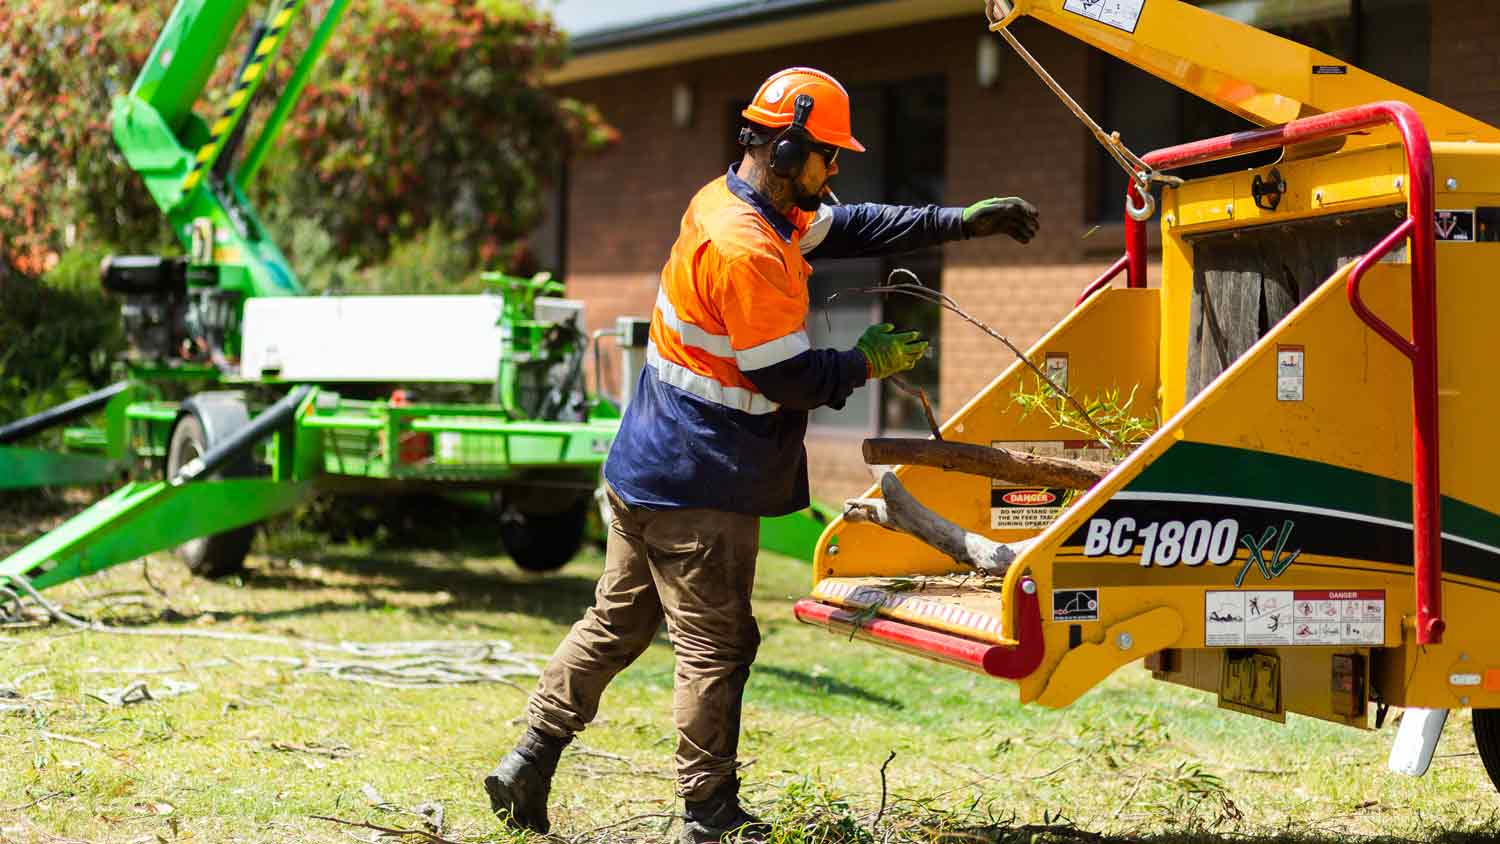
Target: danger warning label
(1302, 617)
(1030, 507)
(1024, 507)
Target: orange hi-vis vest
(733, 297)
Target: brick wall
(1466, 57)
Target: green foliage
(422, 112)
(1110, 411)
(433, 111)
(61, 178)
(808, 812)
(58, 335)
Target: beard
(805, 200)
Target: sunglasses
(829, 152)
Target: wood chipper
(245, 397)
(1314, 526)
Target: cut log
(999, 463)
(901, 512)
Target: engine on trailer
(170, 314)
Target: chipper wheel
(206, 420)
(541, 534)
(1487, 736)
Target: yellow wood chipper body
(1315, 525)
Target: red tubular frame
(1426, 493)
(1104, 280)
(995, 660)
(1135, 241)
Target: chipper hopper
(1314, 526)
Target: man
(712, 440)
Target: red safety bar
(1135, 242)
(995, 660)
(1103, 281)
(1422, 349)
(1133, 262)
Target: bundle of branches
(1117, 429)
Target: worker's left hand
(1010, 215)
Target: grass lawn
(256, 749)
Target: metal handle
(1351, 289)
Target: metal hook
(1143, 212)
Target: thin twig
(426, 836)
(1131, 796)
(43, 799)
(921, 395)
(917, 290)
(146, 572)
(1075, 760)
(583, 835)
(72, 740)
(881, 813)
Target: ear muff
(789, 151)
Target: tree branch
(999, 463)
(900, 512)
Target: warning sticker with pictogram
(1302, 617)
(1075, 604)
(1120, 14)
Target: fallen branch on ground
(387, 830)
(998, 463)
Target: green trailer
(244, 397)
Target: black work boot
(721, 819)
(519, 785)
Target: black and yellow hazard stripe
(244, 89)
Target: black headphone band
(753, 134)
(790, 148)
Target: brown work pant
(695, 568)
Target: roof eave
(739, 30)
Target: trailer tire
(545, 541)
(205, 421)
(1487, 737)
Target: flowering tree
(422, 112)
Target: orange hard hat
(828, 122)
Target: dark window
(1389, 38)
(903, 127)
(548, 241)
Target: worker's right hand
(889, 351)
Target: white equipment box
(372, 338)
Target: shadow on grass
(1040, 834)
(558, 596)
(842, 830)
(826, 685)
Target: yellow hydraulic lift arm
(1259, 76)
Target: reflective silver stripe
(707, 388)
(692, 335)
(822, 221)
(773, 351)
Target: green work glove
(889, 352)
(1010, 215)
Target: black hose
(244, 439)
(61, 414)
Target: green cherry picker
(244, 397)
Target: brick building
(949, 116)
